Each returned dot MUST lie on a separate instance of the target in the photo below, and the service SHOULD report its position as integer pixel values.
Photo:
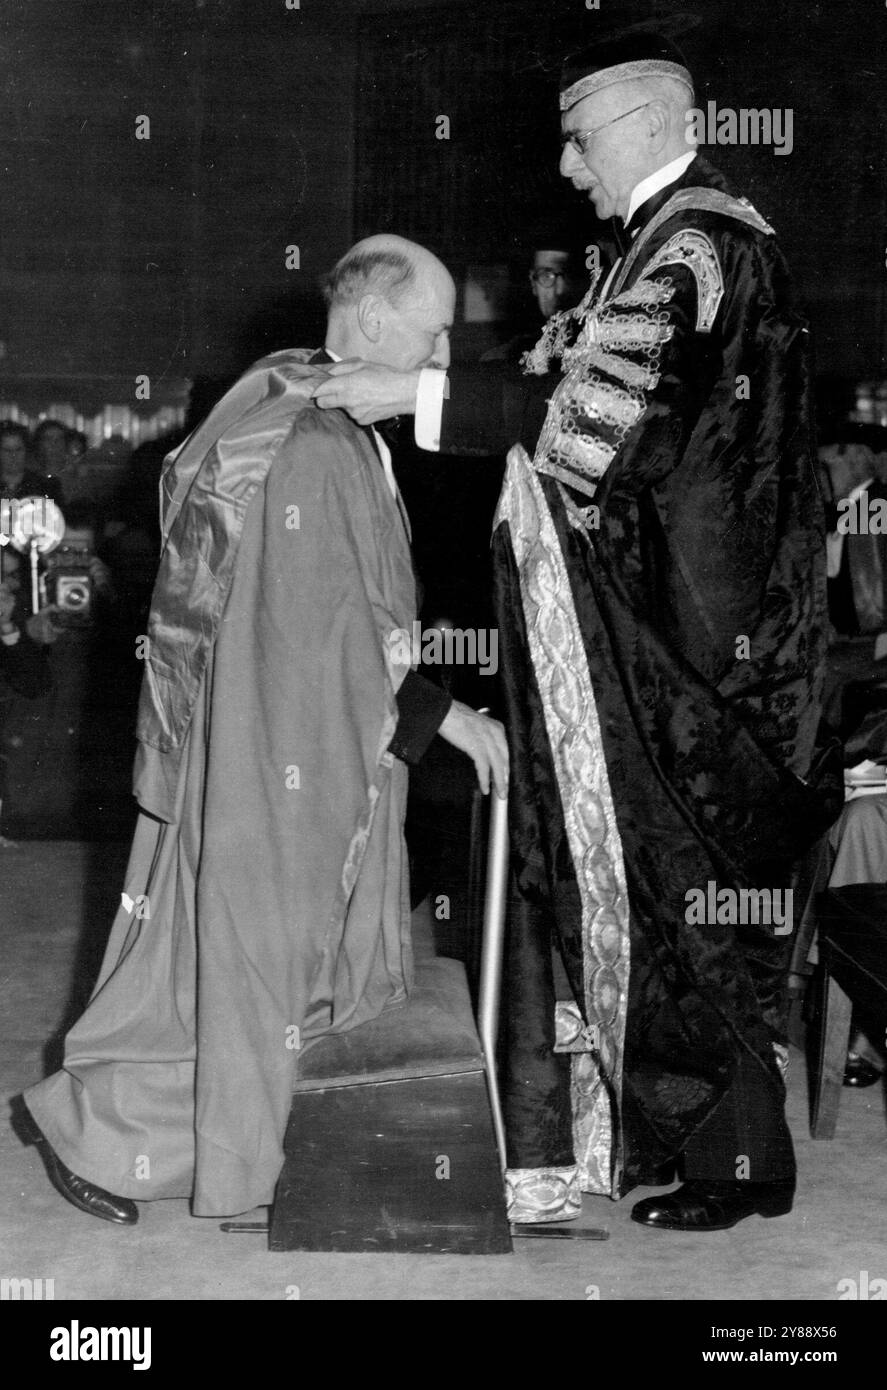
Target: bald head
(390, 301)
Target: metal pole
(35, 585)
(491, 955)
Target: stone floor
(56, 900)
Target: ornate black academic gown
(660, 586)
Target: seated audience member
(854, 479)
(17, 478)
(852, 471)
(854, 852)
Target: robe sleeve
(491, 406)
(686, 421)
(422, 707)
(686, 358)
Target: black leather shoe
(700, 1205)
(859, 1071)
(87, 1196)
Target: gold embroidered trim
(594, 455)
(560, 663)
(621, 72)
(633, 332)
(631, 373)
(694, 250)
(579, 482)
(559, 333)
(646, 294)
(570, 1031)
(536, 1195)
(614, 405)
(586, 403)
(690, 200)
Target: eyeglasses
(579, 138)
(546, 278)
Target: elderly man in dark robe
(266, 900)
(659, 554)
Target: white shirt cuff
(429, 407)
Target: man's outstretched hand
(483, 739)
(368, 392)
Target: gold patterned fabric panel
(536, 1195)
(571, 1033)
(559, 660)
(645, 294)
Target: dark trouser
(746, 1136)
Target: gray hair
(390, 274)
(676, 95)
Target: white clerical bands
(647, 67)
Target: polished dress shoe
(859, 1071)
(705, 1205)
(85, 1195)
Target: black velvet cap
(633, 52)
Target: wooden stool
(390, 1144)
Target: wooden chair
(852, 925)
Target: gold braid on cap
(644, 67)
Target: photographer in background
(68, 749)
(78, 582)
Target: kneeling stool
(390, 1144)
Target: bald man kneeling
(265, 902)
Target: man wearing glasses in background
(558, 280)
(660, 593)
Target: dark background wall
(273, 127)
